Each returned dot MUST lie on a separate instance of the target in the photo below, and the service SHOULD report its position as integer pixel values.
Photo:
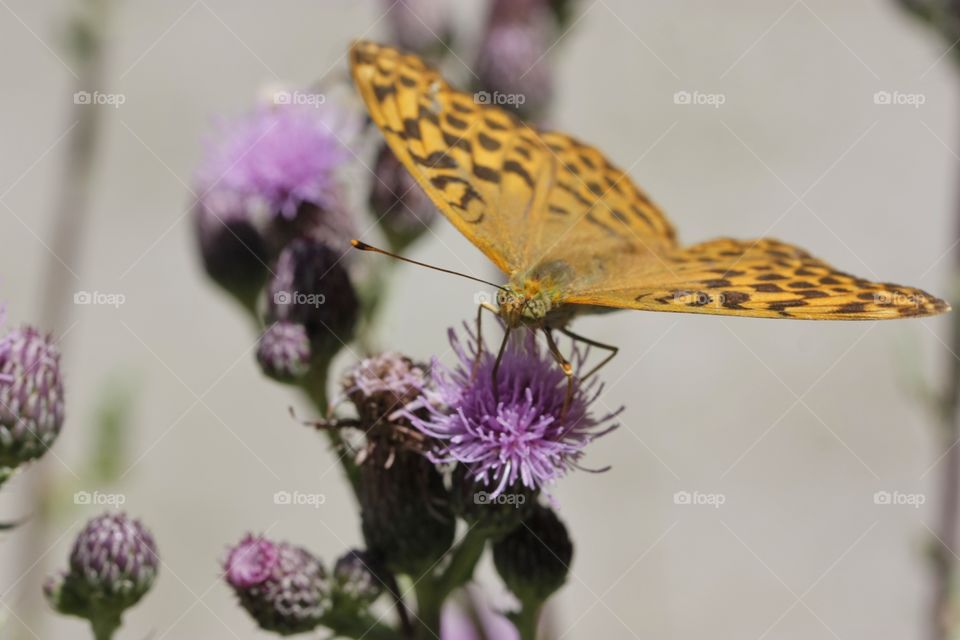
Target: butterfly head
(525, 303)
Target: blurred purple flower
(420, 26)
(381, 385)
(283, 351)
(518, 432)
(513, 63)
(275, 160)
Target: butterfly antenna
(363, 246)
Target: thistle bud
(403, 209)
(495, 514)
(423, 27)
(381, 385)
(311, 288)
(534, 559)
(404, 510)
(357, 578)
(284, 588)
(513, 65)
(113, 564)
(283, 351)
(31, 396)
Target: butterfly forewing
(478, 163)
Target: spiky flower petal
(514, 431)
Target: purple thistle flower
(518, 432)
(31, 396)
(275, 160)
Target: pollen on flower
(514, 433)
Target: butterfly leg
(496, 365)
(565, 365)
(593, 343)
(476, 361)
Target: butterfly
(572, 233)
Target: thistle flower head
(275, 160)
(382, 385)
(113, 564)
(283, 351)
(515, 430)
(284, 588)
(31, 396)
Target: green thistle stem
(105, 625)
(527, 620)
(463, 562)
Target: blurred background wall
(796, 424)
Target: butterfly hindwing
(758, 278)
